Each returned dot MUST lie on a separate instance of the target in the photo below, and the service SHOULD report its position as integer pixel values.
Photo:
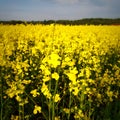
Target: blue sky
(58, 9)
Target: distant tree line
(85, 21)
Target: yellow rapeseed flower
(66, 110)
(56, 98)
(45, 91)
(54, 60)
(55, 76)
(37, 109)
(35, 93)
(57, 117)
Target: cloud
(58, 9)
(67, 1)
(97, 2)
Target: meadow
(58, 72)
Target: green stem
(82, 98)
(90, 109)
(49, 101)
(1, 98)
(53, 106)
(21, 112)
(69, 105)
(30, 98)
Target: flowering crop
(59, 72)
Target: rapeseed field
(58, 72)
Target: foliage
(85, 21)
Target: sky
(58, 9)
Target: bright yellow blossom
(56, 98)
(35, 93)
(55, 76)
(37, 109)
